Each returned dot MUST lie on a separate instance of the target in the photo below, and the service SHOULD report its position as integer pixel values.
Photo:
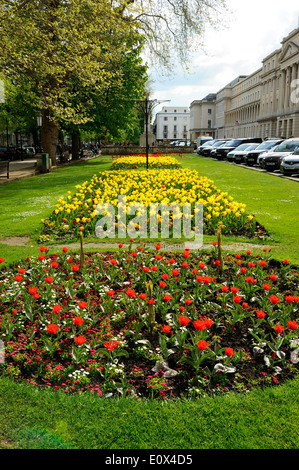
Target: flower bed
(77, 212)
(139, 161)
(149, 324)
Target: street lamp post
(39, 119)
(146, 129)
(147, 107)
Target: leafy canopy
(63, 47)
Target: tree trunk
(75, 145)
(49, 136)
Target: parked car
(272, 160)
(221, 152)
(203, 146)
(239, 157)
(202, 140)
(184, 143)
(8, 153)
(30, 152)
(261, 157)
(231, 156)
(213, 151)
(214, 144)
(251, 157)
(3, 153)
(20, 152)
(290, 165)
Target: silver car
(272, 160)
(262, 155)
(231, 156)
(290, 164)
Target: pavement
(19, 170)
(28, 167)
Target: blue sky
(254, 29)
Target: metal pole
(7, 134)
(146, 131)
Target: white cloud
(253, 30)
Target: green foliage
(16, 113)
(70, 58)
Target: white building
(172, 123)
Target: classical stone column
(274, 110)
(287, 89)
(282, 79)
(294, 77)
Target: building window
(174, 136)
(165, 129)
(165, 136)
(185, 128)
(175, 110)
(166, 119)
(209, 124)
(209, 111)
(175, 118)
(174, 128)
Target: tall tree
(60, 47)
(55, 44)
(114, 111)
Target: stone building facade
(263, 104)
(172, 123)
(202, 116)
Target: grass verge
(259, 420)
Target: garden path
(23, 241)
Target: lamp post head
(39, 119)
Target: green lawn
(273, 200)
(259, 420)
(25, 202)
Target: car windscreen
(207, 144)
(218, 144)
(252, 147)
(266, 145)
(242, 147)
(287, 147)
(233, 143)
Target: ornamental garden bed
(77, 212)
(139, 161)
(144, 323)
